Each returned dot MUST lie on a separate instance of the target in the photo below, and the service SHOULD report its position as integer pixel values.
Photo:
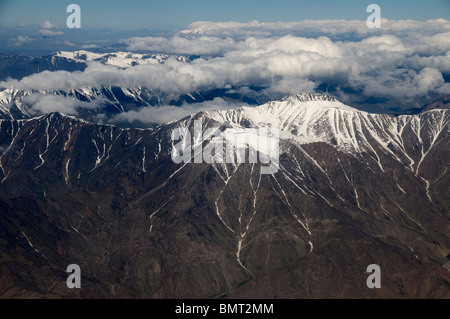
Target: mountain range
(104, 101)
(352, 189)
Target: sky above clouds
(177, 14)
(38, 27)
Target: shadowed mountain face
(352, 189)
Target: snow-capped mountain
(315, 118)
(120, 59)
(352, 189)
(104, 100)
(92, 100)
(19, 66)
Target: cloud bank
(38, 103)
(50, 33)
(168, 113)
(20, 40)
(404, 60)
(47, 25)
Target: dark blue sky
(177, 14)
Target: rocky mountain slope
(352, 189)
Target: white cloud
(428, 79)
(20, 40)
(39, 103)
(315, 28)
(50, 33)
(288, 86)
(69, 43)
(165, 114)
(90, 46)
(254, 62)
(181, 45)
(438, 43)
(384, 43)
(406, 85)
(47, 25)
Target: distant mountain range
(19, 66)
(107, 101)
(352, 189)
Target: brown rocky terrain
(352, 189)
